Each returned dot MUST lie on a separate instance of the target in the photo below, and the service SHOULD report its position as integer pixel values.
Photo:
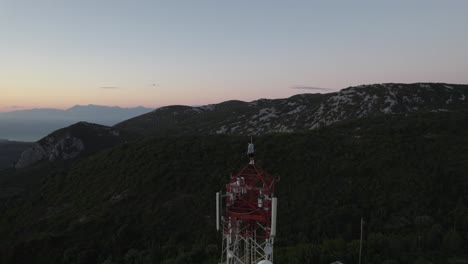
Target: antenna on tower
(250, 151)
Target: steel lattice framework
(248, 217)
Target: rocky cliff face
(300, 112)
(62, 149)
(369, 100)
(69, 143)
(30, 156)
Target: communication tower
(246, 216)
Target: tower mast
(248, 218)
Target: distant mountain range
(34, 124)
(298, 113)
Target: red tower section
(248, 203)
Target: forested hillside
(152, 201)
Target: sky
(56, 54)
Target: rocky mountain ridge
(300, 112)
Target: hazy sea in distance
(29, 130)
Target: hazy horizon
(305, 89)
(32, 125)
(8, 110)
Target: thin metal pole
(360, 243)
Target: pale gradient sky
(58, 53)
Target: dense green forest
(152, 201)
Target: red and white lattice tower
(246, 216)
